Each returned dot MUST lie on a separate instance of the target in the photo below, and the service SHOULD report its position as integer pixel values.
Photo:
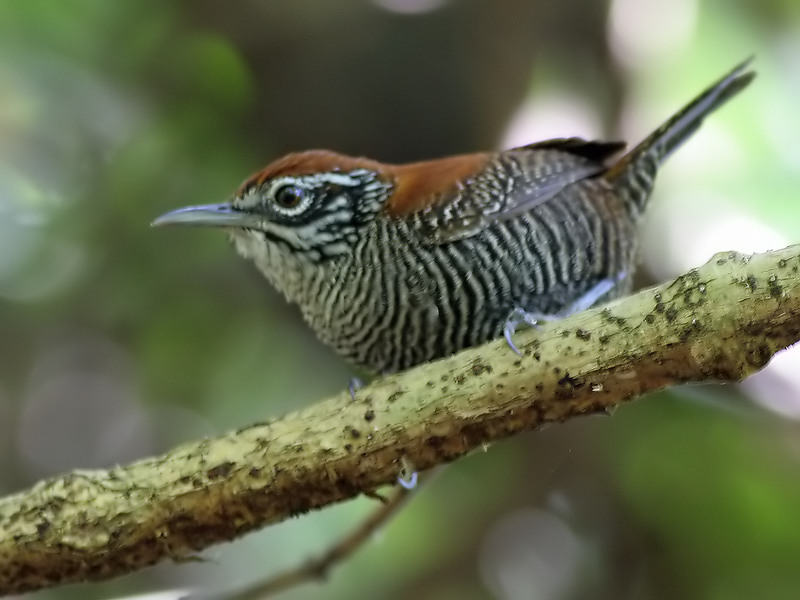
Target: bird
(394, 265)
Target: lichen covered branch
(722, 321)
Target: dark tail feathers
(659, 144)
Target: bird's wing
(514, 183)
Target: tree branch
(722, 321)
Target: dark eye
(289, 196)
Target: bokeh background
(119, 341)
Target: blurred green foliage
(120, 341)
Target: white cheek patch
(314, 233)
(251, 199)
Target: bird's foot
(354, 385)
(521, 316)
(408, 475)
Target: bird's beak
(209, 215)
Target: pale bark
(720, 322)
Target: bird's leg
(521, 316)
(517, 317)
(408, 475)
(354, 385)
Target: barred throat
(395, 302)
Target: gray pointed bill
(209, 215)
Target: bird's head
(311, 204)
(314, 205)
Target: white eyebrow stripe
(335, 178)
(308, 182)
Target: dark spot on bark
(556, 370)
(775, 289)
(435, 441)
(753, 329)
(369, 415)
(614, 320)
(751, 282)
(689, 298)
(221, 470)
(565, 333)
(444, 389)
(671, 314)
(479, 368)
(688, 332)
(569, 380)
(650, 318)
(395, 395)
(539, 387)
(354, 433)
(782, 263)
(564, 393)
(430, 384)
(603, 339)
(537, 356)
(459, 379)
(759, 356)
(254, 472)
(582, 334)
(42, 527)
(348, 447)
(517, 363)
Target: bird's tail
(635, 171)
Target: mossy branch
(720, 322)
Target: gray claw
(355, 385)
(516, 318)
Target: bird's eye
(289, 196)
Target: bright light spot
(641, 31)
(80, 407)
(777, 386)
(682, 237)
(169, 595)
(780, 125)
(550, 116)
(531, 554)
(731, 232)
(410, 7)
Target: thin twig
(319, 567)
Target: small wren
(394, 265)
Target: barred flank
(407, 302)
